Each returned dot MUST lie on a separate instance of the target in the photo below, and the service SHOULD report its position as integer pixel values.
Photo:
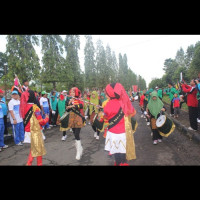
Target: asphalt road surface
(174, 150)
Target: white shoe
(159, 140)
(97, 137)
(19, 144)
(148, 123)
(95, 134)
(155, 142)
(5, 146)
(49, 127)
(198, 120)
(64, 138)
(142, 116)
(190, 128)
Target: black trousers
(193, 114)
(120, 158)
(64, 133)
(95, 129)
(5, 124)
(156, 134)
(199, 109)
(53, 119)
(76, 132)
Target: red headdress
(116, 90)
(76, 91)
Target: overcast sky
(145, 53)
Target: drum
(64, 115)
(64, 120)
(98, 121)
(165, 125)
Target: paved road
(177, 149)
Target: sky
(146, 54)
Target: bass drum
(165, 125)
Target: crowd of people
(177, 94)
(109, 110)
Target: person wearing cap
(15, 119)
(2, 126)
(44, 108)
(64, 92)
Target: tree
(53, 62)
(74, 73)
(89, 63)
(22, 58)
(102, 68)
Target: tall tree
(52, 49)
(89, 63)
(102, 69)
(75, 74)
(22, 57)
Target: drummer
(154, 107)
(94, 99)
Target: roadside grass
(167, 100)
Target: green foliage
(22, 58)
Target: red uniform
(110, 110)
(191, 96)
(38, 115)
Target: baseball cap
(14, 92)
(64, 91)
(43, 92)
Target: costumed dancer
(154, 107)
(61, 108)
(76, 118)
(33, 123)
(119, 110)
(93, 111)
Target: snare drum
(98, 121)
(165, 125)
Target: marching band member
(33, 123)
(118, 111)
(154, 107)
(61, 108)
(76, 118)
(93, 111)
